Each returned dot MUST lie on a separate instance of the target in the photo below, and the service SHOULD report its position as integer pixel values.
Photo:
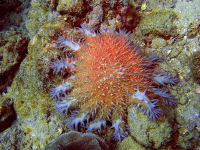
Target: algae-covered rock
(30, 83)
(195, 66)
(159, 42)
(70, 6)
(12, 52)
(158, 23)
(38, 14)
(130, 144)
(188, 12)
(148, 133)
(189, 122)
(96, 16)
(189, 140)
(29, 89)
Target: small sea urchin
(110, 73)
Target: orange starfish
(111, 73)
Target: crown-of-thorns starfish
(109, 74)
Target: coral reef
(26, 78)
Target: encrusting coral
(76, 141)
(107, 74)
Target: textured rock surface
(158, 23)
(130, 144)
(12, 52)
(77, 141)
(7, 113)
(149, 134)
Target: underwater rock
(158, 23)
(7, 6)
(7, 114)
(148, 134)
(195, 66)
(77, 141)
(13, 50)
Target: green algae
(158, 23)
